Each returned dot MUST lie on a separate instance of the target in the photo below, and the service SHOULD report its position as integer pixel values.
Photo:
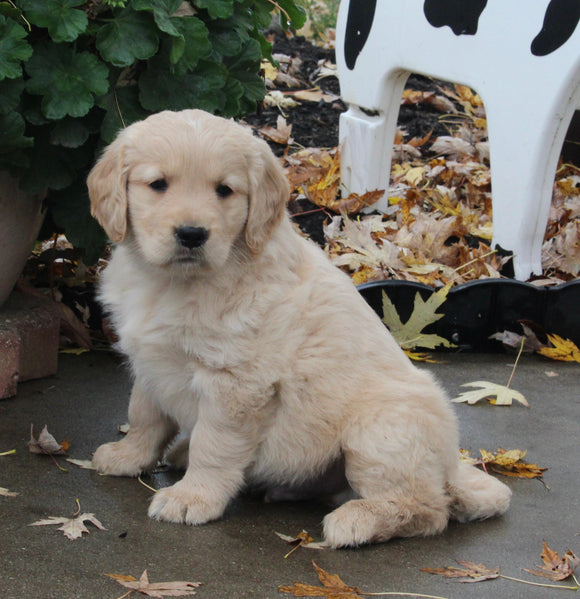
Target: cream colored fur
(258, 349)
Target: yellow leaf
(499, 395)
(563, 349)
(415, 175)
(410, 335)
(420, 357)
(508, 463)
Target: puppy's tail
(476, 495)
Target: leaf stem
(540, 584)
(276, 5)
(476, 259)
(10, 452)
(516, 362)
(146, 485)
(298, 545)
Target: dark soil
(316, 124)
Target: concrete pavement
(239, 556)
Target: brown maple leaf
(155, 589)
(302, 539)
(555, 567)
(470, 572)
(280, 134)
(334, 587)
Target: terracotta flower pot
(21, 216)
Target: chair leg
(524, 150)
(366, 144)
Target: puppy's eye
(224, 191)
(159, 185)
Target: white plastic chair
(521, 56)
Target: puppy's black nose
(191, 237)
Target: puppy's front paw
(183, 503)
(349, 526)
(118, 459)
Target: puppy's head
(187, 188)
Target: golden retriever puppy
(244, 337)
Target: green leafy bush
(72, 72)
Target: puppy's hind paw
(181, 504)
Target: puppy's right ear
(107, 183)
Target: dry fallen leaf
(563, 349)
(507, 462)
(279, 134)
(73, 528)
(334, 587)
(302, 539)
(471, 572)
(410, 335)
(46, 443)
(155, 589)
(6, 493)
(555, 567)
(499, 395)
(313, 95)
(84, 464)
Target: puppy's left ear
(269, 192)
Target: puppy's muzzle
(191, 237)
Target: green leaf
(12, 127)
(162, 12)
(69, 133)
(233, 93)
(128, 37)
(296, 13)
(13, 49)
(123, 108)
(217, 9)
(160, 90)
(10, 92)
(249, 59)
(410, 335)
(225, 42)
(245, 68)
(63, 21)
(195, 45)
(67, 80)
(8, 10)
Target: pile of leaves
(438, 227)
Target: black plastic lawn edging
(474, 311)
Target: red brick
(9, 358)
(36, 324)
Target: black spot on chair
(560, 21)
(461, 15)
(358, 27)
